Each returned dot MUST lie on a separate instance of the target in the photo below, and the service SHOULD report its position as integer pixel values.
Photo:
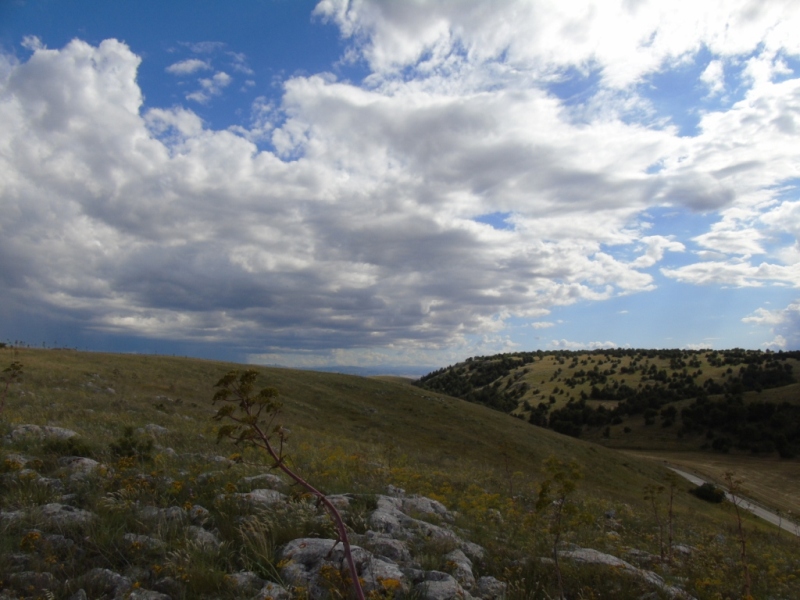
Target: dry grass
(358, 434)
(773, 482)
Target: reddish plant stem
(332, 511)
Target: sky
(399, 185)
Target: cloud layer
(357, 227)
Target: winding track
(747, 504)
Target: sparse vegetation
(11, 374)
(709, 492)
(723, 401)
(182, 524)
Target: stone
(395, 491)
(221, 460)
(304, 561)
(421, 504)
(28, 431)
(142, 594)
(16, 462)
(261, 497)
(273, 591)
(172, 515)
(387, 517)
(473, 550)
(51, 482)
(489, 588)
(142, 542)
(209, 476)
(340, 501)
(460, 567)
(104, 581)
(203, 539)
(11, 516)
(154, 429)
(19, 561)
(80, 467)
(595, 557)
(168, 452)
(169, 586)
(56, 543)
(63, 515)
(386, 546)
(199, 515)
(268, 480)
(439, 586)
(244, 582)
(32, 581)
(640, 557)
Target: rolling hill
(357, 436)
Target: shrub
(74, 446)
(132, 446)
(709, 492)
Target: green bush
(709, 492)
(132, 446)
(74, 446)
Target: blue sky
(398, 185)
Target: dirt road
(747, 504)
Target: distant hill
(724, 400)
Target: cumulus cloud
(188, 66)
(655, 246)
(571, 345)
(355, 229)
(210, 86)
(154, 225)
(783, 323)
(547, 37)
(714, 77)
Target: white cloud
(736, 273)
(570, 345)
(783, 323)
(544, 37)
(189, 66)
(714, 77)
(367, 239)
(239, 63)
(542, 324)
(656, 245)
(32, 43)
(209, 87)
(356, 232)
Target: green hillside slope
(358, 435)
(733, 400)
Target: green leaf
(227, 431)
(224, 411)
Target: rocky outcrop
(24, 432)
(594, 557)
(395, 527)
(318, 565)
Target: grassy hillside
(359, 435)
(645, 399)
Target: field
(773, 482)
(357, 436)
